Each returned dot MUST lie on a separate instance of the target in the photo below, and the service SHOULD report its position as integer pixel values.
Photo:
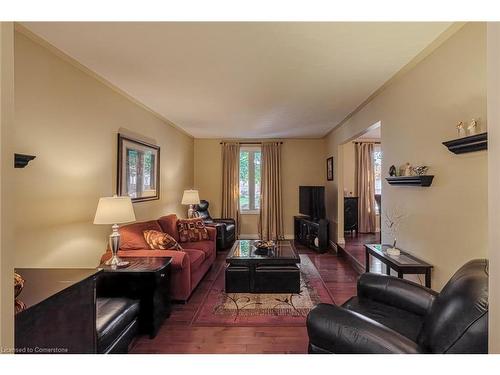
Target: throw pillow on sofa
(160, 241)
(192, 230)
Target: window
(250, 158)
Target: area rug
(248, 309)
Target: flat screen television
(312, 201)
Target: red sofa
(188, 266)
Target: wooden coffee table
(251, 270)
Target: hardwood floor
(178, 336)
(354, 250)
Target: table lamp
(191, 197)
(114, 210)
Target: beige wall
(303, 163)
(447, 223)
(494, 184)
(70, 121)
(6, 185)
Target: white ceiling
(245, 80)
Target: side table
(146, 279)
(403, 264)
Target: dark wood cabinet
(60, 314)
(312, 233)
(146, 279)
(350, 214)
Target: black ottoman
(277, 279)
(116, 324)
(237, 279)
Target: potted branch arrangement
(393, 219)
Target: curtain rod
(377, 143)
(249, 143)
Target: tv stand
(312, 233)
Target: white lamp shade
(190, 197)
(114, 210)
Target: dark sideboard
(351, 214)
(60, 314)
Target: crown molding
(435, 44)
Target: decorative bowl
(264, 245)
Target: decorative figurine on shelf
(393, 219)
(461, 129)
(472, 128)
(406, 170)
(420, 170)
(392, 171)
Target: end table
(404, 263)
(146, 279)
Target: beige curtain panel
(365, 187)
(231, 183)
(271, 203)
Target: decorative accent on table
(267, 245)
(424, 181)
(18, 287)
(393, 219)
(329, 168)
(22, 160)
(138, 169)
(471, 143)
(114, 210)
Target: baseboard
(358, 267)
(334, 247)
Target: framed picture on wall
(329, 168)
(138, 169)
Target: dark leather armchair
(392, 315)
(226, 228)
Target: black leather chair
(392, 315)
(226, 228)
(116, 324)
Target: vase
(393, 250)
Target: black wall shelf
(471, 143)
(22, 160)
(424, 181)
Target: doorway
(361, 195)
